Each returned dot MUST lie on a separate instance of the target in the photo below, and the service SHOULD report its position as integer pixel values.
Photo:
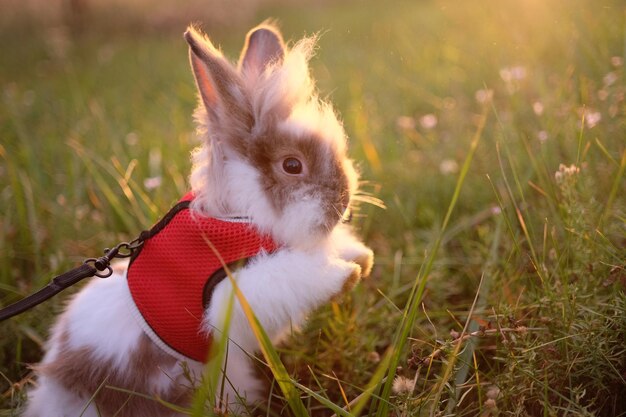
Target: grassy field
(494, 132)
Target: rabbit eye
(292, 166)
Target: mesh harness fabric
(172, 276)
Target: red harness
(172, 276)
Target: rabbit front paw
(361, 255)
(352, 250)
(354, 274)
(364, 257)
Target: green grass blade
(412, 308)
(323, 400)
(483, 291)
(617, 183)
(114, 202)
(374, 384)
(213, 372)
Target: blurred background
(96, 98)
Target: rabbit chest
(172, 275)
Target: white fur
(100, 318)
(245, 198)
(348, 246)
(88, 321)
(287, 83)
(50, 399)
(308, 269)
(291, 227)
(281, 289)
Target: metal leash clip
(121, 250)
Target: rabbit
(273, 158)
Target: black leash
(92, 267)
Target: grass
(500, 282)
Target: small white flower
(511, 77)
(373, 357)
(592, 118)
(610, 78)
(428, 121)
(552, 255)
(132, 139)
(81, 212)
(448, 166)
(493, 392)
(565, 173)
(538, 108)
(405, 123)
(484, 96)
(402, 385)
(490, 403)
(154, 161)
(572, 170)
(515, 73)
(152, 182)
(505, 74)
(542, 135)
(518, 72)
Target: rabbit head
(272, 150)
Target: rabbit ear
(218, 83)
(264, 45)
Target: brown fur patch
(80, 372)
(324, 176)
(220, 87)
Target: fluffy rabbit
(273, 161)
